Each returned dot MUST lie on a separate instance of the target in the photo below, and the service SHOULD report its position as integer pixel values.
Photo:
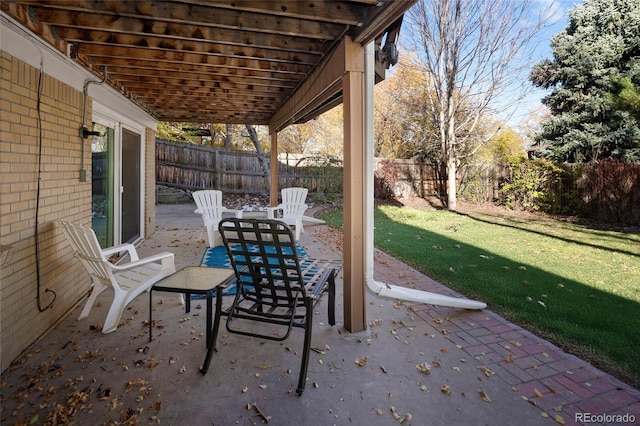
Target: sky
(558, 20)
(555, 12)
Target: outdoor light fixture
(86, 132)
(388, 53)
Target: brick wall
(62, 196)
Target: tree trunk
(452, 159)
(227, 137)
(253, 135)
(452, 199)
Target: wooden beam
(381, 19)
(93, 37)
(94, 52)
(220, 72)
(321, 84)
(193, 14)
(345, 12)
(113, 24)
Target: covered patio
(249, 62)
(245, 62)
(483, 369)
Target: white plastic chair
(127, 280)
(291, 209)
(209, 203)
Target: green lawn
(574, 285)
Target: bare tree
(472, 52)
(227, 136)
(253, 135)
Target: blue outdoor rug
(216, 257)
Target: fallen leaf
(537, 392)
(446, 389)
(484, 396)
(559, 419)
(486, 370)
(424, 368)
(361, 361)
(406, 418)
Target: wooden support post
(353, 90)
(273, 185)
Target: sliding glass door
(116, 212)
(131, 191)
(102, 184)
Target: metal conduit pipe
(84, 132)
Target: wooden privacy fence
(193, 167)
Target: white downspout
(383, 289)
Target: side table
(193, 280)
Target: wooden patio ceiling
(226, 61)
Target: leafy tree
(599, 47)
(319, 136)
(471, 52)
(503, 147)
(624, 96)
(403, 126)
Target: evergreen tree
(600, 46)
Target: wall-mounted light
(85, 133)
(388, 53)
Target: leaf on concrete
(424, 368)
(361, 361)
(484, 396)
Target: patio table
(193, 280)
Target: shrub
(385, 179)
(611, 191)
(327, 171)
(529, 185)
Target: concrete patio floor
(483, 369)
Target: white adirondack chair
(291, 209)
(127, 280)
(209, 206)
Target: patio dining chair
(291, 209)
(209, 206)
(275, 286)
(128, 279)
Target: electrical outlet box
(83, 175)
